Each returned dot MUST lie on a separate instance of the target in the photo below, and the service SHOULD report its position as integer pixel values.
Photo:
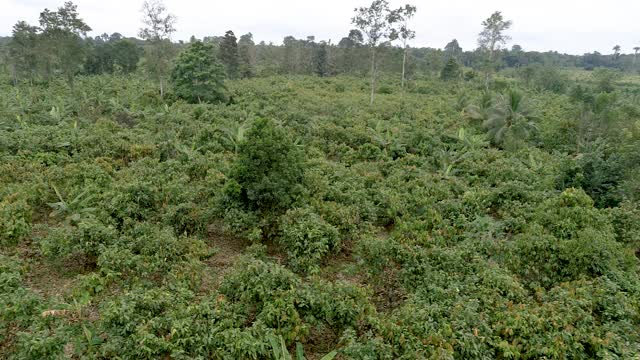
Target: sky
(566, 26)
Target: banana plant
(280, 351)
(384, 137)
(189, 151)
(74, 209)
(472, 141)
(448, 159)
(234, 135)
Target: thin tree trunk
(404, 61)
(14, 76)
(373, 73)
(489, 65)
(161, 88)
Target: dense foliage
(426, 226)
(277, 214)
(197, 74)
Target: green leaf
(330, 355)
(299, 351)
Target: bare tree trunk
(14, 76)
(404, 61)
(161, 87)
(489, 65)
(373, 73)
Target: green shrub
(186, 218)
(605, 79)
(451, 70)
(197, 74)
(550, 79)
(470, 75)
(598, 171)
(88, 239)
(148, 250)
(543, 260)
(15, 219)
(268, 170)
(566, 214)
(626, 224)
(134, 201)
(385, 89)
(306, 238)
(19, 306)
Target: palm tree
(616, 52)
(510, 117)
(480, 112)
(635, 54)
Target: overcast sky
(569, 26)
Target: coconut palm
(635, 54)
(616, 52)
(481, 111)
(510, 117)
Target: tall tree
(354, 39)
(229, 54)
(451, 70)
(635, 54)
(126, 55)
(23, 51)
(99, 57)
(62, 35)
(513, 57)
(616, 52)
(197, 75)
(376, 23)
(159, 25)
(291, 50)
(404, 14)
(453, 50)
(349, 47)
(491, 39)
(246, 56)
(320, 59)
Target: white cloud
(562, 25)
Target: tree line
(379, 43)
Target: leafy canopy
(269, 169)
(197, 74)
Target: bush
(598, 171)
(544, 260)
(148, 250)
(88, 239)
(268, 171)
(198, 76)
(551, 79)
(15, 220)
(307, 238)
(18, 305)
(385, 89)
(606, 79)
(451, 71)
(626, 223)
